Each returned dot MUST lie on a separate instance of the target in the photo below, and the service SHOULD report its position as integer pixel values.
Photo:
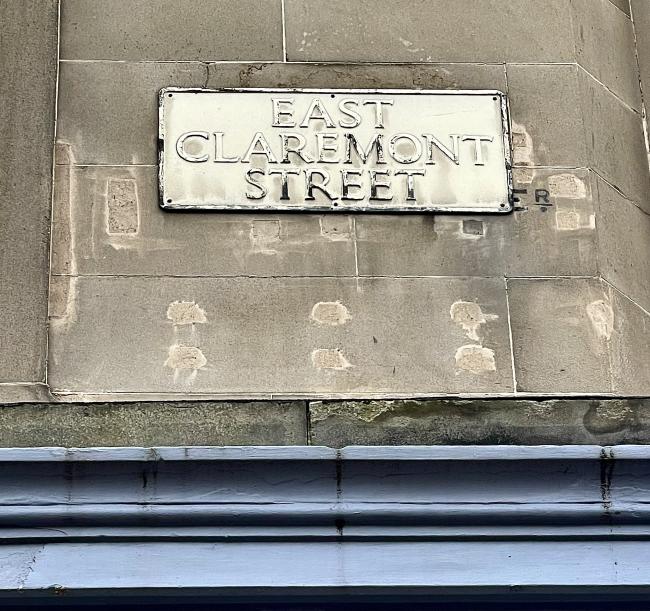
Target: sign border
(500, 207)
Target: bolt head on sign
(334, 150)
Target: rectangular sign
(334, 150)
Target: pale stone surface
(561, 335)
(433, 30)
(158, 243)
(614, 136)
(630, 347)
(154, 424)
(624, 244)
(558, 239)
(479, 422)
(171, 30)
(104, 126)
(260, 337)
(28, 75)
(563, 117)
(546, 114)
(613, 63)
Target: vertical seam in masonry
(512, 344)
(284, 32)
(644, 114)
(54, 133)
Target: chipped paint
(185, 357)
(568, 186)
(329, 358)
(475, 359)
(601, 316)
(331, 313)
(470, 317)
(185, 313)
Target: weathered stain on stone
(568, 186)
(330, 313)
(608, 417)
(185, 313)
(601, 316)
(335, 228)
(522, 145)
(330, 358)
(543, 411)
(263, 235)
(475, 359)
(470, 317)
(185, 357)
(123, 216)
(366, 411)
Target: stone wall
(549, 302)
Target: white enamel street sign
(334, 150)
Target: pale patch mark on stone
(524, 176)
(185, 313)
(475, 359)
(470, 317)
(305, 43)
(335, 229)
(331, 313)
(263, 234)
(123, 211)
(410, 46)
(522, 145)
(330, 358)
(570, 218)
(185, 358)
(601, 316)
(568, 186)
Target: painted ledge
(238, 521)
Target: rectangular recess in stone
(554, 240)
(546, 115)
(28, 45)
(179, 30)
(614, 63)
(301, 336)
(155, 243)
(624, 244)
(561, 329)
(103, 125)
(365, 76)
(615, 140)
(432, 30)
